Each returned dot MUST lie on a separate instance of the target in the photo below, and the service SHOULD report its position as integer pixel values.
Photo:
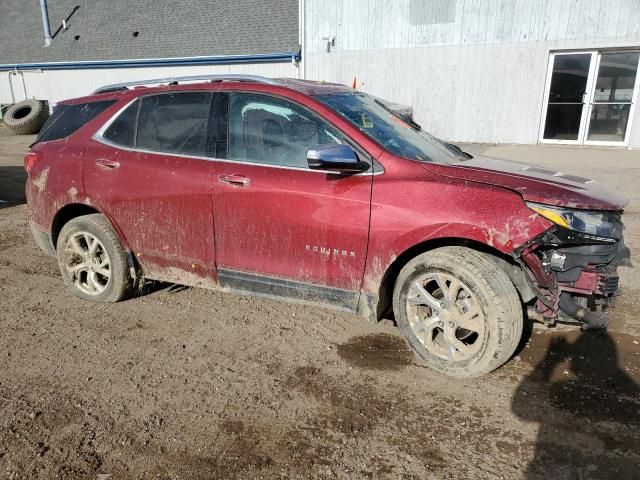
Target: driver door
(281, 228)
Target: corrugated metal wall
(56, 85)
(474, 70)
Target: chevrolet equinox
(323, 194)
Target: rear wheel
(458, 311)
(92, 261)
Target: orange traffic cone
(354, 85)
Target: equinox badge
(327, 252)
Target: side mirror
(335, 158)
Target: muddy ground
(195, 384)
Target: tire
(26, 117)
(83, 268)
(477, 294)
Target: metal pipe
(45, 23)
(13, 95)
(24, 85)
(278, 57)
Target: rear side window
(123, 129)
(66, 119)
(174, 123)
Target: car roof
(306, 87)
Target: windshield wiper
(405, 118)
(452, 147)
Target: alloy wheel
(87, 263)
(445, 316)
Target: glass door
(568, 86)
(590, 97)
(614, 93)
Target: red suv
(319, 193)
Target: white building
(503, 71)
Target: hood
(535, 184)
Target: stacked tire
(26, 117)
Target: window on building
(122, 129)
(265, 129)
(174, 123)
(66, 119)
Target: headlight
(599, 225)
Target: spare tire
(26, 117)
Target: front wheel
(92, 261)
(458, 311)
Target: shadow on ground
(12, 180)
(587, 408)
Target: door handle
(107, 164)
(234, 179)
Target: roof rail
(195, 78)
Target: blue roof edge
(157, 62)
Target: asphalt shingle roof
(104, 30)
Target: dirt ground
(194, 384)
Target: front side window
(174, 123)
(269, 130)
(373, 118)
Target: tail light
(30, 160)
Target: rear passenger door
(148, 171)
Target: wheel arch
(507, 263)
(75, 210)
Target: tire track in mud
(331, 426)
(428, 436)
(47, 271)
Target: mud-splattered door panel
(301, 225)
(162, 206)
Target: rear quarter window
(123, 129)
(67, 119)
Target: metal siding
(477, 78)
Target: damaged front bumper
(574, 275)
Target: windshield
(400, 136)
